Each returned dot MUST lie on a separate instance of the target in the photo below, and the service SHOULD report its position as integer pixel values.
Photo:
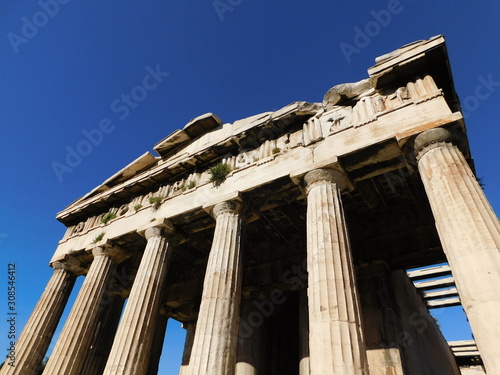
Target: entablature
(323, 140)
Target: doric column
(383, 332)
(131, 349)
(74, 342)
(37, 334)
(188, 347)
(157, 346)
(470, 235)
(250, 345)
(335, 340)
(214, 348)
(304, 367)
(104, 335)
(425, 350)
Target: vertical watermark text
(11, 315)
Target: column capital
(225, 203)
(158, 228)
(70, 264)
(116, 253)
(234, 207)
(153, 232)
(322, 176)
(432, 138)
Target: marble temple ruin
(281, 241)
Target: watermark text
(11, 314)
(364, 35)
(122, 107)
(32, 25)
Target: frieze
(368, 107)
(371, 104)
(338, 119)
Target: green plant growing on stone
(276, 150)
(155, 201)
(191, 184)
(109, 216)
(137, 207)
(218, 173)
(184, 188)
(98, 238)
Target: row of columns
(468, 229)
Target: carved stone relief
(340, 118)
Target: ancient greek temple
(282, 241)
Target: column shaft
(335, 341)
(37, 334)
(104, 335)
(249, 342)
(214, 348)
(382, 324)
(304, 367)
(425, 350)
(188, 347)
(134, 338)
(157, 346)
(470, 235)
(75, 339)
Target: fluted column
(250, 345)
(104, 335)
(74, 342)
(304, 367)
(470, 235)
(335, 341)
(38, 331)
(188, 347)
(214, 348)
(383, 330)
(157, 346)
(131, 349)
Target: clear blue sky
(64, 69)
